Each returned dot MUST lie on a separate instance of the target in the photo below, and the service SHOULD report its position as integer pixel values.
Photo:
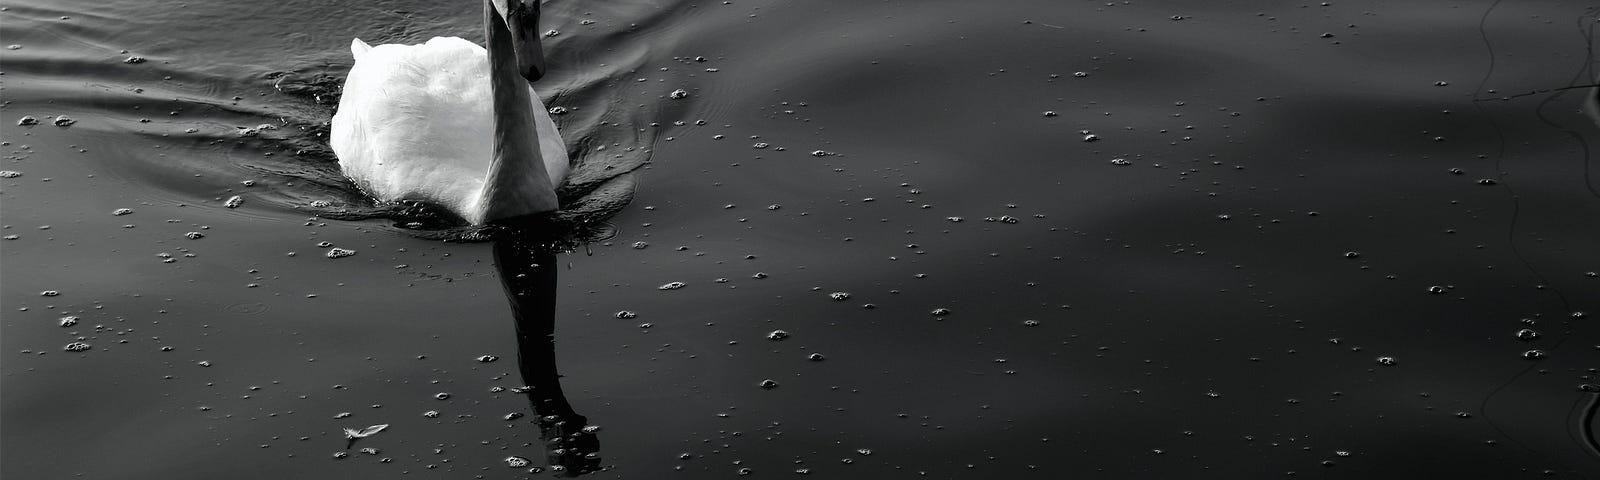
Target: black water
(1214, 308)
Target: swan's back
(416, 123)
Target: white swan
(448, 123)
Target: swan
(451, 123)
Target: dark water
(1216, 308)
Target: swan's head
(521, 18)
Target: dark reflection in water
(527, 271)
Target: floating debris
(626, 314)
(777, 335)
(195, 235)
(679, 94)
(671, 286)
(431, 414)
(352, 434)
(133, 60)
(487, 358)
(76, 347)
(233, 202)
(558, 110)
(839, 296)
(340, 252)
(10, 174)
(940, 312)
(69, 320)
(1386, 361)
(1121, 162)
(121, 211)
(517, 462)
(640, 245)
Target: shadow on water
(527, 268)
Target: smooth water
(1303, 240)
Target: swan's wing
(359, 48)
(415, 123)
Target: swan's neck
(517, 183)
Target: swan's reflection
(528, 272)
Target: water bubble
(759, 145)
(744, 471)
(821, 153)
(121, 211)
(69, 320)
(1030, 323)
(864, 451)
(1050, 113)
(1080, 74)
(640, 245)
(340, 455)
(940, 312)
(768, 384)
(369, 451)
(1533, 354)
(1527, 334)
(679, 94)
(63, 121)
(49, 293)
(558, 110)
(27, 121)
(671, 286)
(195, 235)
(1487, 181)
(340, 253)
(76, 347)
(1121, 162)
(234, 202)
(1386, 361)
(487, 358)
(816, 357)
(1091, 137)
(759, 275)
(626, 314)
(840, 296)
(1436, 290)
(512, 416)
(1352, 254)
(443, 395)
(1008, 219)
(777, 335)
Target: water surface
(1277, 196)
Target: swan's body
(450, 123)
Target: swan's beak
(522, 19)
